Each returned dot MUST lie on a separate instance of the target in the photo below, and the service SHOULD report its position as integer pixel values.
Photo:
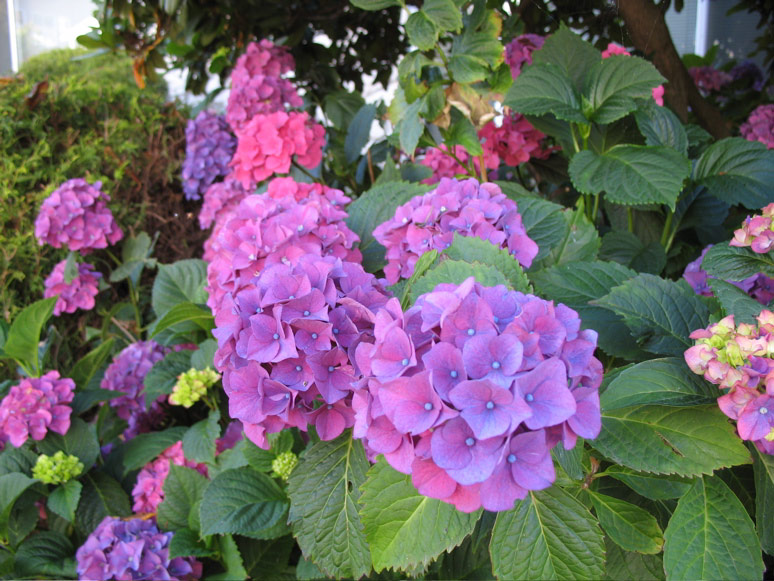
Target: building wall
(43, 25)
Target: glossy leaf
(89, 364)
(180, 282)
(145, 447)
(653, 486)
(199, 441)
(64, 499)
(763, 466)
(101, 496)
(542, 89)
(629, 526)
(185, 312)
(183, 489)
(23, 337)
(46, 554)
(660, 126)
(80, 440)
(162, 377)
(574, 56)
(456, 272)
(359, 132)
(622, 564)
(735, 301)
(627, 249)
(732, 263)
(473, 249)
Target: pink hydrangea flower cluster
(148, 491)
(470, 389)
(220, 199)
(615, 48)
(209, 146)
(760, 126)
(126, 374)
(709, 79)
(289, 220)
(257, 85)
(445, 165)
(286, 345)
(267, 144)
(519, 51)
(35, 406)
(79, 293)
(759, 286)
(466, 207)
(514, 142)
(132, 549)
(76, 216)
(757, 232)
(738, 358)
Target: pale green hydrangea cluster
(283, 465)
(57, 469)
(192, 385)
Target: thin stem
(126, 332)
(482, 168)
(630, 219)
(596, 208)
(667, 229)
(134, 297)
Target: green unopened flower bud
(57, 469)
(283, 465)
(192, 385)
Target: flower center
(469, 441)
(763, 411)
(529, 397)
(490, 405)
(298, 368)
(511, 458)
(404, 362)
(471, 332)
(495, 365)
(428, 406)
(454, 374)
(306, 313)
(330, 368)
(275, 336)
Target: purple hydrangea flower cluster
(760, 126)
(126, 374)
(209, 146)
(286, 344)
(519, 51)
(79, 293)
(747, 69)
(709, 79)
(220, 199)
(76, 216)
(470, 389)
(35, 406)
(466, 207)
(148, 492)
(759, 286)
(289, 220)
(132, 549)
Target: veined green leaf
(629, 526)
(541, 89)
(732, 263)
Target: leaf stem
(665, 234)
(629, 219)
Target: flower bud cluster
(76, 216)
(286, 344)
(132, 549)
(192, 385)
(148, 492)
(284, 464)
(757, 232)
(709, 79)
(79, 293)
(758, 286)
(57, 469)
(209, 145)
(35, 406)
(470, 389)
(519, 51)
(466, 207)
(615, 48)
(740, 359)
(760, 126)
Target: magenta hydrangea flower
(148, 491)
(515, 141)
(519, 51)
(286, 344)
(466, 207)
(470, 389)
(758, 286)
(76, 216)
(709, 79)
(209, 146)
(760, 126)
(79, 293)
(262, 58)
(220, 199)
(757, 232)
(615, 48)
(35, 406)
(132, 549)
(268, 143)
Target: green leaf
(687, 441)
(465, 68)
(17, 460)
(406, 530)
(732, 263)
(324, 490)
(11, 487)
(375, 4)
(340, 107)
(456, 272)
(571, 461)
(89, 364)
(660, 313)
(199, 440)
(472, 249)
(80, 440)
(613, 84)
(46, 554)
(411, 127)
(763, 466)
(374, 207)
(737, 171)
(422, 32)
(241, 501)
(186, 543)
(135, 256)
(481, 38)
(543, 221)
(162, 377)
(629, 526)
(444, 14)
(145, 447)
(183, 312)
(735, 301)
(627, 249)
(665, 381)
(580, 243)
(231, 559)
(359, 132)
(183, 488)
(631, 174)
(267, 559)
(622, 564)
(462, 132)
(425, 263)
(180, 282)
(101, 496)
(568, 51)
(542, 89)
(71, 268)
(258, 458)
(64, 499)
(412, 64)
(660, 126)
(711, 536)
(24, 335)
(548, 535)
(653, 486)
(88, 398)
(204, 356)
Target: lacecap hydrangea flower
(148, 492)
(519, 51)
(760, 126)
(758, 286)
(615, 48)
(192, 385)
(132, 549)
(79, 293)
(464, 207)
(209, 146)
(470, 389)
(757, 232)
(76, 216)
(57, 469)
(35, 406)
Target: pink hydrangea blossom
(760, 126)
(515, 141)
(615, 48)
(76, 216)
(79, 293)
(519, 51)
(445, 165)
(219, 199)
(35, 406)
(757, 232)
(464, 207)
(148, 491)
(709, 79)
(262, 58)
(259, 95)
(209, 146)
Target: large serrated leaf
(64, 499)
(183, 488)
(763, 466)
(359, 132)
(573, 55)
(548, 535)
(653, 486)
(162, 377)
(145, 447)
(456, 272)
(542, 89)
(660, 313)
(21, 343)
(622, 564)
(444, 14)
(11, 488)
(404, 529)
(473, 249)
(579, 244)
(324, 490)
(82, 372)
(711, 536)
(182, 281)
(80, 440)
(660, 126)
(199, 442)
(627, 249)
(632, 174)
(629, 526)
(687, 441)
(735, 301)
(101, 496)
(46, 554)
(184, 312)
(543, 220)
(732, 263)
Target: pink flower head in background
(470, 389)
(76, 216)
(519, 51)
(35, 406)
(219, 199)
(209, 146)
(709, 79)
(760, 126)
(262, 58)
(79, 293)
(464, 207)
(757, 232)
(515, 141)
(613, 49)
(148, 491)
